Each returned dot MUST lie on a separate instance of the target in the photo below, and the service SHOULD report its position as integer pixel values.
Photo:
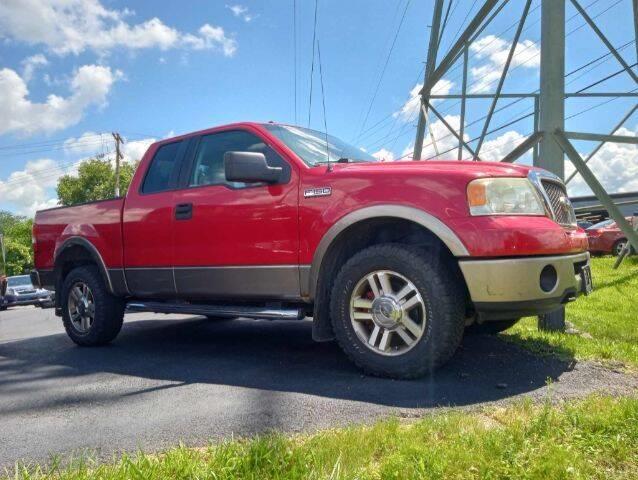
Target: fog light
(549, 278)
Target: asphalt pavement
(168, 379)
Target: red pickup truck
(394, 260)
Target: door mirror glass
(250, 167)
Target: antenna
(323, 101)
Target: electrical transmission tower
(549, 141)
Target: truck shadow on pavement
(273, 356)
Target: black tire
(490, 328)
(109, 310)
(442, 297)
(553, 321)
(617, 248)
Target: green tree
(16, 232)
(95, 181)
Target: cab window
(161, 170)
(208, 167)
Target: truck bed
(98, 222)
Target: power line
(519, 65)
(385, 66)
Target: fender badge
(317, 192)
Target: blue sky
(154, 69)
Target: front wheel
(91, 315)
(396, 311)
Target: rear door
(147, 224)
(233, 239)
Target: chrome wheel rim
(387, 313)
(81, 307)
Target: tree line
(95, 180)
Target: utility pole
(118, 157)
(430, 65)
(552, 85)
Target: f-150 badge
(317, 192)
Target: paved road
(168, 379)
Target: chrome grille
(561, 206)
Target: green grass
(592, 438)
(607, 320)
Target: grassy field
(592, 438)
(606, 321)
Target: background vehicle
(20, 291)
(392, 259)
(585, 224)
(3, 291)
(605, 237)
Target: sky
(73, 71)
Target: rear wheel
(491, 328)
(397, 312)
(91, 315)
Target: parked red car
(605, 237)
(392, 259)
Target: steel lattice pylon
(549, 141)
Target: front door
(147, 224)
(233, 239)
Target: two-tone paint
(268, 241)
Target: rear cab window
(162, 171)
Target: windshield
(310, 145)
(603, 224)
(21, 281)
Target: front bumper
(511, 288)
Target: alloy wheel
(81, 307)
(387, 313)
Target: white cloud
(240, 11)
(28, 188)
(211, 37)
(33, 187)
(30, 64)
(87, 143)
(134, 151)
(615, 166)
(495, 150)
(492, 150)
(410, 108)
(494, 50)
(73, 26)
(384, 155)
(89, 86)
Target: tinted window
(21, 281)
(158, 177)
(603, 224)
(208, 167)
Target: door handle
(183, 211)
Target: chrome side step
(229, 311)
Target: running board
(229, 311)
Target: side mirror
(249, 167)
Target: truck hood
(423, 167)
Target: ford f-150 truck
(272, 221)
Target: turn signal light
(476, 194)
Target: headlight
(11, 291)
(503, 196)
